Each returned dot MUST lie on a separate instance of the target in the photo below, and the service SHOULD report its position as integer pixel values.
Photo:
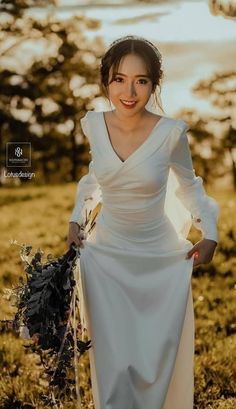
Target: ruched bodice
(138, 217)
(148, 208)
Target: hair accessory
(133, 37)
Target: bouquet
(48, 313)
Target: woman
(136, 265)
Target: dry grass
(39, 216)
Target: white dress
(136, 281)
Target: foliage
(18, 7)
(46, 311)
(212, 137)
(227, 8)
(43, 97)
(219, 88)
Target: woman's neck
(130, 123)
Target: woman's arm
(191, 192)
(86, 188)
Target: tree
(44, 103)
(214, 153)
(220, 90)
(225, 8)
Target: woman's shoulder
(181, 124)
(176, 122)
(91, 114)
(176, 131)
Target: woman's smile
(128, 104)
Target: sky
(194, 43)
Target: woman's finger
(76, 236)
(191, 252)
(74, 239)
(202, 259)
(197, 259)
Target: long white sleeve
(191, 191)
(88, 188)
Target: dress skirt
(139, 316)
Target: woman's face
(131, 89)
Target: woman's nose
(131, 91)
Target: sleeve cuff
(76, 216)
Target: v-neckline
(136, 150)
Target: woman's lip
(128, 105)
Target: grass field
(39, 216)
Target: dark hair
(131, 45)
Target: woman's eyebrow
(140, 75)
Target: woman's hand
(204, 252)
(75, 235)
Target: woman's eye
(117, 79)
(143, 81)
